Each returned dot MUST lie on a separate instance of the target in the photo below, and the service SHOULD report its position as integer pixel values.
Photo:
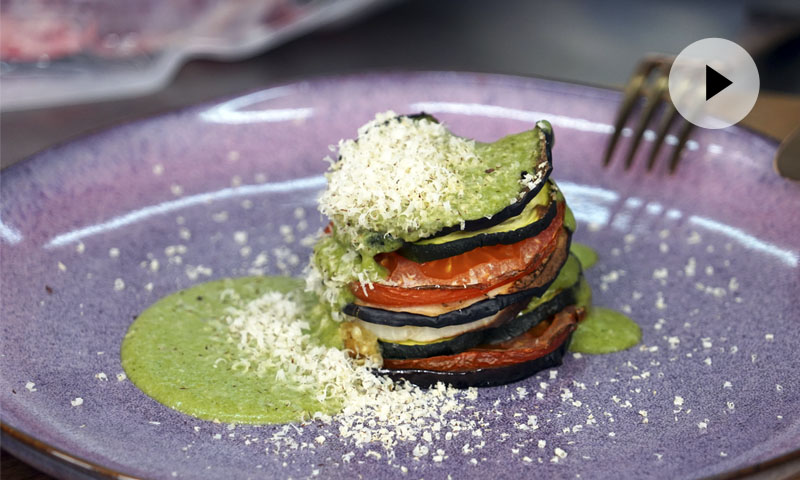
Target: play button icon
(713, 83)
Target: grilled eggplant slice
(526, 321)
(430, 335)
(536, 217)
(476, 311)
(421, 350)
(482, 377)
(497, 334)
(533, 285)
(541, 347)
(542, 168)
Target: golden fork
(650, 80)
(766, 28)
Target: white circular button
(714, 83)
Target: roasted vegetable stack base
(486, 302)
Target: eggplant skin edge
(474, 312)
(427, 253)
(483, 377)
(455, 345)
(515, 208)
(513, 328)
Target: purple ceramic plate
(706, 261)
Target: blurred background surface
(573, 40)
(582, 41)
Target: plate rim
(81, 466)
(324, 77)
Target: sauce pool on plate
(177, 352)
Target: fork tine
(667, 119)
(652, 101)
(631, 94)
(683, 136)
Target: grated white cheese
(660, 303)
(690, 267)
(409, 167)
(271, 329)
(240, 237)
(661, 274)
(194, 272)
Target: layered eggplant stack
(481, 298)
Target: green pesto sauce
(528, 215)
(602, 330)
(501, 163)
(170, 352)
(605, 331)
(569, 219)
(586, 254)
(569, 274)
(584, 295)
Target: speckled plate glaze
(706, 261)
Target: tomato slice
(462, 276)
(398, 297)
(537, 342)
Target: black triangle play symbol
(715, 82)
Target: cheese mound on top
(401, 176)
